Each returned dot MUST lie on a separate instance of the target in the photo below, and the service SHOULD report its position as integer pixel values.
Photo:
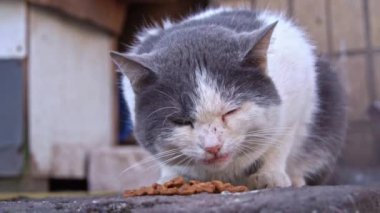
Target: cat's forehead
(211, 42)
(199, 94)
(210, 100)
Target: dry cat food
(178, 186)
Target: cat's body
(226, 94)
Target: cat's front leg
(269, 179)
(273, 171)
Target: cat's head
(203, 95)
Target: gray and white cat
(235, 95)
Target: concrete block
(106, 166)
(69, 160)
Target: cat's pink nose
(213, 149)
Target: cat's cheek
(237, 124)
(231, 123)
(181, 135)
(185, 139)
(242, 121)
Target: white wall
(71, 93)
(12, 29)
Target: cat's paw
(298, 181)
(270, 179)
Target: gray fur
(329, 128)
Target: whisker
(171, 159)
(163, 123)
(162, 162)
(157, 110)
(187, 163)
(150, 159)
(273, 129)
(167, 95)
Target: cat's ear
(137, 68)
(255, 46)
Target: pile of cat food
(178, 186)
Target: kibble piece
(194, 182)
(146, 190)
(159, 187)
(169, 191)
(176, 182)
(237, 189)
(140, 192)
(205, 187)
(186, 190)
(130, 193)
(219, 185)
(241, 188)
(155, 185)
(150, 191)
(227, 185)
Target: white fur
(210, 100)
(291, 65)
(129, 97)
(147, 32)
(167, 24)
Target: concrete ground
(306, 199)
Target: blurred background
(64, 125)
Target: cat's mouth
(216, 159)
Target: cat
(236, 95)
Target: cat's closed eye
(182, 122)
(229, 113)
